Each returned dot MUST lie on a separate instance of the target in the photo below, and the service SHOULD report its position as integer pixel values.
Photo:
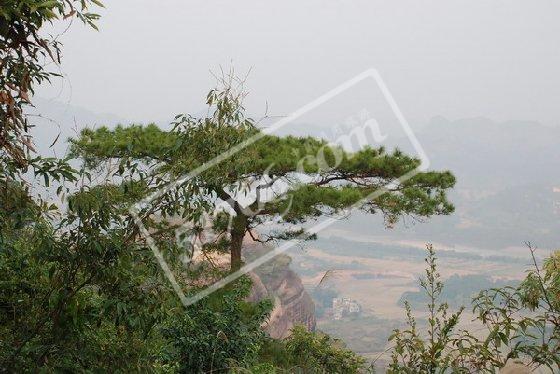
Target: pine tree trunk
(238, 230)
(236, 244)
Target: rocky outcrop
(272, 280)
(292, 306)
(276, 281)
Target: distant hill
(488, 155)
(52, 119)
(508, 188)
(508, 184)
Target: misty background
(456, 59)
(478, 82)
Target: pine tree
(290, 180)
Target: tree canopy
(287, 180)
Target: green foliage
(412, 353)
(309, 352)
(218, 333)
(83, 297)
(320, 353)
(76, 297)
(135, 141)
(521, 323)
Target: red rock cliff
(276, 281)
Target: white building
(343, 307)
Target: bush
(218, 333)
(311, 352)
(522, 324)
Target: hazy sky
(151, 59)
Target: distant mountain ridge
(508, 184)
(509, 153)
(55, 122)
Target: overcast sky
(151, 59)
